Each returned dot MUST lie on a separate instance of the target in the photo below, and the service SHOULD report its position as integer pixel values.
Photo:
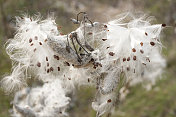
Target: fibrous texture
(96, 54)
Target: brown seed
(147, 59)
(152, 43)
(48, 70)
(45, 40)
(88, 80)
(163, 25)
(32, 44)
(134, 50)
(111, 53)
(90, 33)
(46, 58)
(100, 64)
(58, 68)
(143, 63)
(30, 18)
(39, 64)
(47, 64)
(56, 57)
(107, 30)
(128, 59)
(92, 60)
(109, 100)
(94, 67)
(30, 40)
(141, 51)
(36, 38)
(35, 49)
(107, 47)
(124, 59)
(141, 44)
(40, 43)
(104, 39)
(67, 63)
(146, 34)
(105, 26)
(128, 69)
(69, 78)
(134, 58)
(51, 69)
(95, 64)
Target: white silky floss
(39, 51)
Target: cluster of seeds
(113, 48)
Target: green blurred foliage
(158, 102)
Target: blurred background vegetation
(158, 102)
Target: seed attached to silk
(48, 70)
(141, 43)
(40, 43)
(56, 57)
(45, 40)
(100, 64)
(47, 64)
(124, 59)
(46, 58)
(105, 26)
(39, 64)
(36, 38)
(35, 49)
(128, 69)
(51, 69)
(30, 40)
(128, 59)
(152, 43)
(146, 34)
(58, 68)
(90, 33)
(134, 50)
(104, 39)
(143, 63)
(163, 25)
(147, 59)
(67, 63)
(109, 100)
(141, 51)
(111, 53)
(69, 78)
(134, 58)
